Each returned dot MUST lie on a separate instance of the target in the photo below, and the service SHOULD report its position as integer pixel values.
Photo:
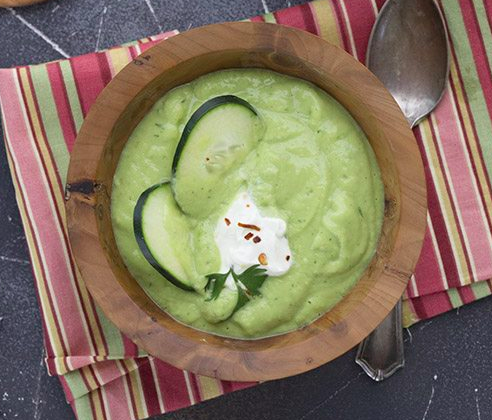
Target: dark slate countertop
(448, 374)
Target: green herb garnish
(216, 282)
(248, 284)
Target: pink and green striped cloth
(104, 374)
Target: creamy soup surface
(310, 182)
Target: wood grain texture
(18, 3)
(178, 60)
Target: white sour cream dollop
(245, 238)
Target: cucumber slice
(218, 136)
(160, 229)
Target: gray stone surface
(448, 372)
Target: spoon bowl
(408, 51)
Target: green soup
(313, 167)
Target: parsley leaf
(248, 284)
(216, 282)
(252, 278)
(243, 296)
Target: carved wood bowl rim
(19, 3)
(180, 59)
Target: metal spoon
(408, 51)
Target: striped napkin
(104, 375)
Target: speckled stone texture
(449, 368)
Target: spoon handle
(381, 353)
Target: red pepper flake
(227, 221)
(256, 239)
(246, 226)
(248, 236)
(287, 257)
(262, 258)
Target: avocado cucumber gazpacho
(247, 203)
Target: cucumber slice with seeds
(218, 136)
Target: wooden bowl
(18, 3)
(178, 60)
